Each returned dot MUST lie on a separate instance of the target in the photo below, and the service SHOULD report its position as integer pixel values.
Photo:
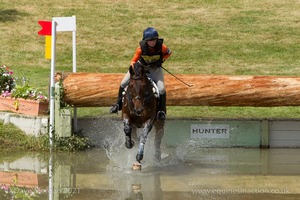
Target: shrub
(7, 81)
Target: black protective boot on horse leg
(129, 143)
(118, 106)
(162, 107)
(128, 130)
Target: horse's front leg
(143, 138)
(128, 130)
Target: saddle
(154, 88)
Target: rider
(151, 53)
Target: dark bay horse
(139, 111)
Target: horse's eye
(147, 93)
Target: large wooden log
(96, 89)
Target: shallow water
(185, 172)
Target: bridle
(148, 94)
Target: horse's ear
(131, 70)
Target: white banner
(65, 23)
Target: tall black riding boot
(118, 106)
(162, 108)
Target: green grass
(283, 112)
(233, 37)
(13, 139)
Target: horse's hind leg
(140, 154)
(159, 133)
(142, 138)
(128, 130)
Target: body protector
(152, 57)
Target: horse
(140, 103)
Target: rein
(136, 77)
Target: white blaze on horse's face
(137, 98)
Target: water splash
(108, 134)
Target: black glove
(157, 63)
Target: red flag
(46, 27)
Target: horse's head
(137, 87)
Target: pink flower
(6, 94)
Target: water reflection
(23, 175)
(184, 173)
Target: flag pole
(74, 68)
(52, 82)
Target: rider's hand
(132, 65)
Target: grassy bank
(13, 139)
(234, 37)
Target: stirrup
(161, 115)
(114, 108)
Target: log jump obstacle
(100, 89)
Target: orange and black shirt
(151, 55)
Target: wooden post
(99, 89)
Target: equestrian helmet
(150, 34)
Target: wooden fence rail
(99, 89)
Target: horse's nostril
(139, 110)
